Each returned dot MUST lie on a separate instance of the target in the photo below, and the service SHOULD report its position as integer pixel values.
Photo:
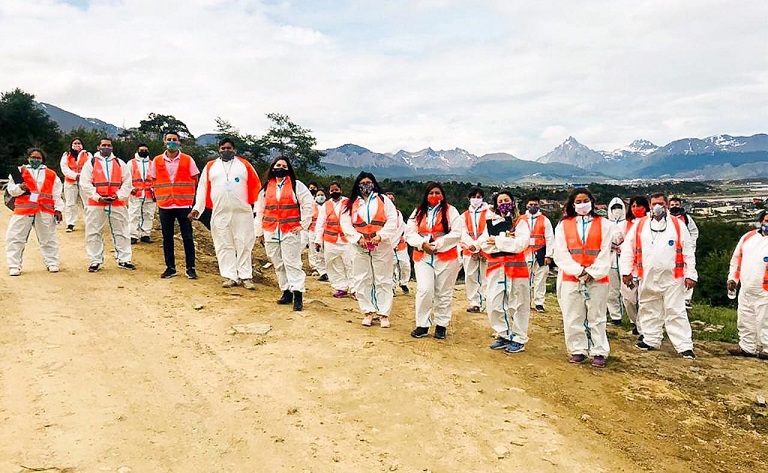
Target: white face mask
(476, 202)
(584, 208)
(659, 211)
(616, 214)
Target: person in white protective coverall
(583, 254)
(283, 211)
(434, 230)
(539, 251)
(659, 249)
(638, 208)
(229, 186)
(617, 214)
(369, 221)
(106, 182)
(141, 203)
(316, 258)
(402, 267)
(749, 268)
(676, 209)
(505, 240)
(37, 191)
(474, 260)
(335, 247)
(71, 164)
(306, 235)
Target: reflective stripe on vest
(514, 264)
(332, 232)
(312, 224)
(679, 270)
(739, 257)
(584, 253)
(369, 230)
(283, 213)
(180, 192)
(106, 184)
(76, 165)
(45, 202)
(537, 233)
(141, 185)
(474, 233)
(433, 234)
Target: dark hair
(356, 188)
(320, 190)
(76, 138)
(312, 183)
(291, 173)
(224, 141)
(474, 191)
(32, 150)
(676, 199)
(390, 193)
(534, 198)
(515, 211)
(570, 210)
(171, 132)
(141, 145)
(106, 138)
(659, 194)
(761, 216)
(334, 183)
(640, 200)
(421, 210)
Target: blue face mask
(764, 229)
(35, 163)
(533, 209)
(172, 145)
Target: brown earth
(116, 371)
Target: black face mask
(143, 154)
(335, 195)
(313, 192)
(279, 172)
(676, 211)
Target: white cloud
(517, 77)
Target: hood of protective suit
(614, 201)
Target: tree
(289, 139)
(247, 145)
(23, 124)
(158, 125)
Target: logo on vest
(671, 243)
(237, 179)
(765, 259)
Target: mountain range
(714, 157)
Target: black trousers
(168, 217)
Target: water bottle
(731, 294)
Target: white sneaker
(53, 269)
(248, 284)
(14, 271)
(229, 283)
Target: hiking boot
(688, 355)
(635, 332)
(641, 345)
(168, 273)
(577, 359)
(473, 309)
(738, 351)
(134, 241)
(514, 347)
(540, 308)
(248, 284)
(70, 228)
(384, 321)
(367, 320)
(145, 239)
(420, 332)
(286, 299)
(298, 301)
(229, 283)
(323, 278)
(440, 332)
(339, 294)
(598, 361)
(616, 322)
(405, 289)
(14, 271)
(127, 265)
(94, 267)
(499, 344)
(191, 273)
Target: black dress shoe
(298, 303)
(286, 299)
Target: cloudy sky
(488, 76)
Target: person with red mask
(434, 231)
(638, 208)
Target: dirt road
(117, 371)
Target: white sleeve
(627, 257)
(451, 239)
(259, 208)
(389, 230)
(688, 254)
(320, 225)
(306, 205)
(58, 188)
(549, 238)
(412, 236)
(202, 190)
(562, 256)
(13, 188)
(602, 264)
(517, 243)
(64, 164)
(86, 181)
(125, 189)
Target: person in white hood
(616, 214)
(335, 246)
(540, 250)
(659, 249)
(638, 208)
(474, 260)
(749, 268)
(676, 209)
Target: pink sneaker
(339, 294)
(384, 321)
(368, 320)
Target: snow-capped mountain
(727, 143)
(574, 153)
(358, 157)
(68, 121)
(430, 159)
(634, 150)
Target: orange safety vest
(401, 244)
(106, 187)
(283, 213)
(181, 191)
(253, 182)
(313, 223)
(473, 232)
(369, 230)
(584, 253)
(679, 270)
(436, 232)
(332, 232)
(76, 164)
(143, 186)
(515, 265)
(739, 256)
(537, 233)
(45, 202)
